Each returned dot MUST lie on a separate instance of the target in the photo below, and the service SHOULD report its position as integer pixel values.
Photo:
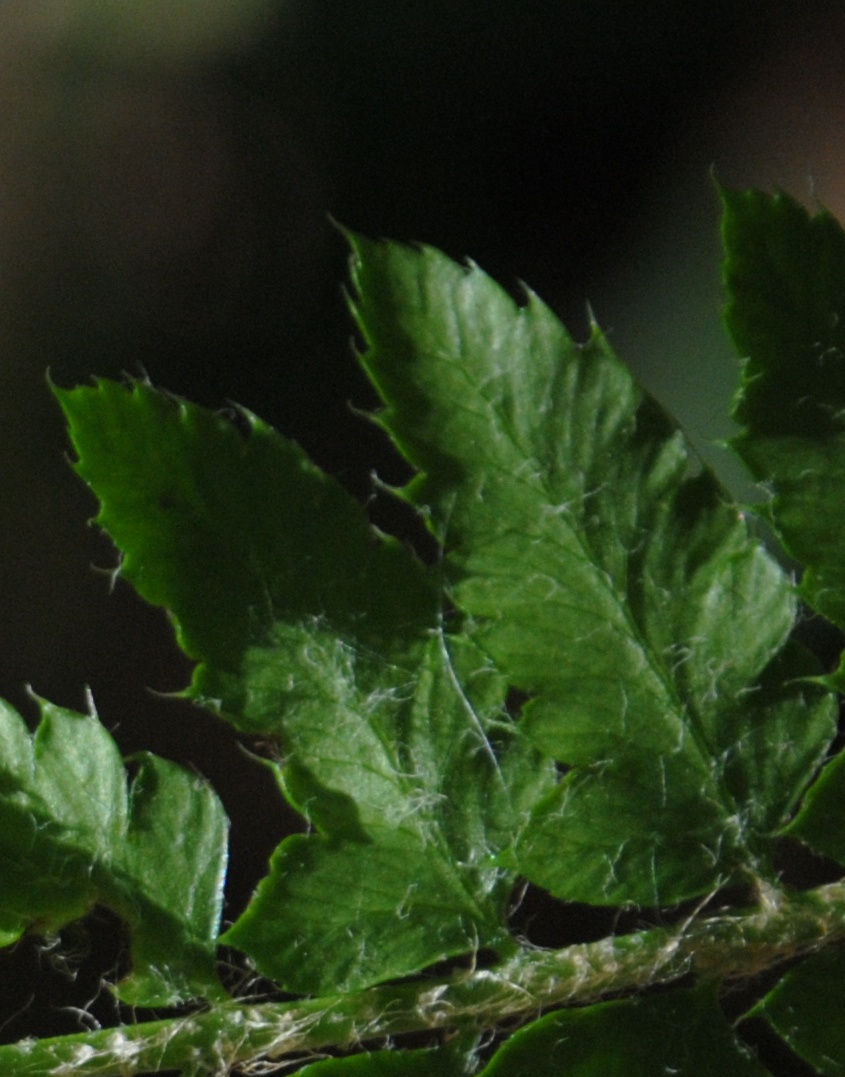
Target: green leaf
(821, 822)
(604, 573)
(235, 533)
(329, 639)
(72, 834)
(418, 810)
(680, 1032)
(785, 276)
(588, 562)
(806, 1010)
(669, 731)
(434, 1062)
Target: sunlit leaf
(316, 632)
(605, 574)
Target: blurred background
(167, 168)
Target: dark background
(166, 175)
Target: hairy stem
(217, 1040)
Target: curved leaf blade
(72, 833)
(405, 871)
(616, 588)
(235, 533)
(821, 822)
(784, 272)
(326, 638)
(805, 1008)
(681, 1032)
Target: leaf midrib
(603, 579)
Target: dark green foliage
(671, 730)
